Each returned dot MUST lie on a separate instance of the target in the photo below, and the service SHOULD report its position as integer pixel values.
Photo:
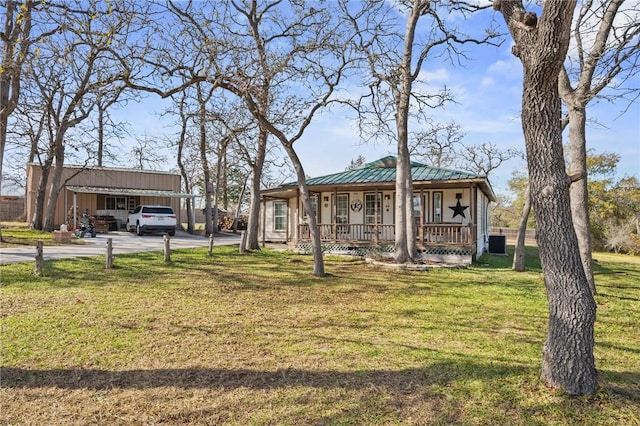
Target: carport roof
(130, 191)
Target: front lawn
(256, 339)
(23, 236)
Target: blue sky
(487, 90)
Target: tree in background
(67, 78)
(437, 144)
(146, 154)
(606, 49)
(354, 164)
(483, 158)
(18, 41)
(541, 44)
(614, 205)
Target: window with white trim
(437, 207)
(342, 212)
(372, 204)
(279, 215)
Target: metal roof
(130, 191)
(383, 171)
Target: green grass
(256, 339)
(19, 236)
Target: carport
(119, 201)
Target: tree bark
(578, 191)
(189, 204)
(204, 161)
(567, 361)
(38, 211)
(49, 216)
(576, 99)
(519, 251)
(253, 221)
(316, 243)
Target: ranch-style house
(355, 211)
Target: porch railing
(430, 234)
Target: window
(279, 215)
(115, 203)
(437, 207)
(419, 210)
(342, 212)
(417, 206)
(371, 206)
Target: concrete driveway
(122, 242)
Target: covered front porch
(436, 243)
(433, 234)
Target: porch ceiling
(130, 192)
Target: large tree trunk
(38, 211)
(578, 191)
(253, 222)
(189, 202)
(236, 215)
(519, 251)
(316, 243)
(49, 217)
(568, 361)
(401, 241)
(204, 161)
(541, 45)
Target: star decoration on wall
(458, 209)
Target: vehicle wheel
(93, 234)
(172, 233)
(138, 229)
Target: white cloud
(440, 75)
(509, 67)
(487, 82)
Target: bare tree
(300, 59)
(231, 123)
(354, 164)
(484, 158)
(17, 42)
(437, 143)
(106, 129)
(180, 159)
(607, 45)
(541, 44)
(71, 67)
(395, 62)
(146, 153)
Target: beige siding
(104, 178)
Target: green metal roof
(382, 173)
(384, 170)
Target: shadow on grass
(624, 384)
(193, 378)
